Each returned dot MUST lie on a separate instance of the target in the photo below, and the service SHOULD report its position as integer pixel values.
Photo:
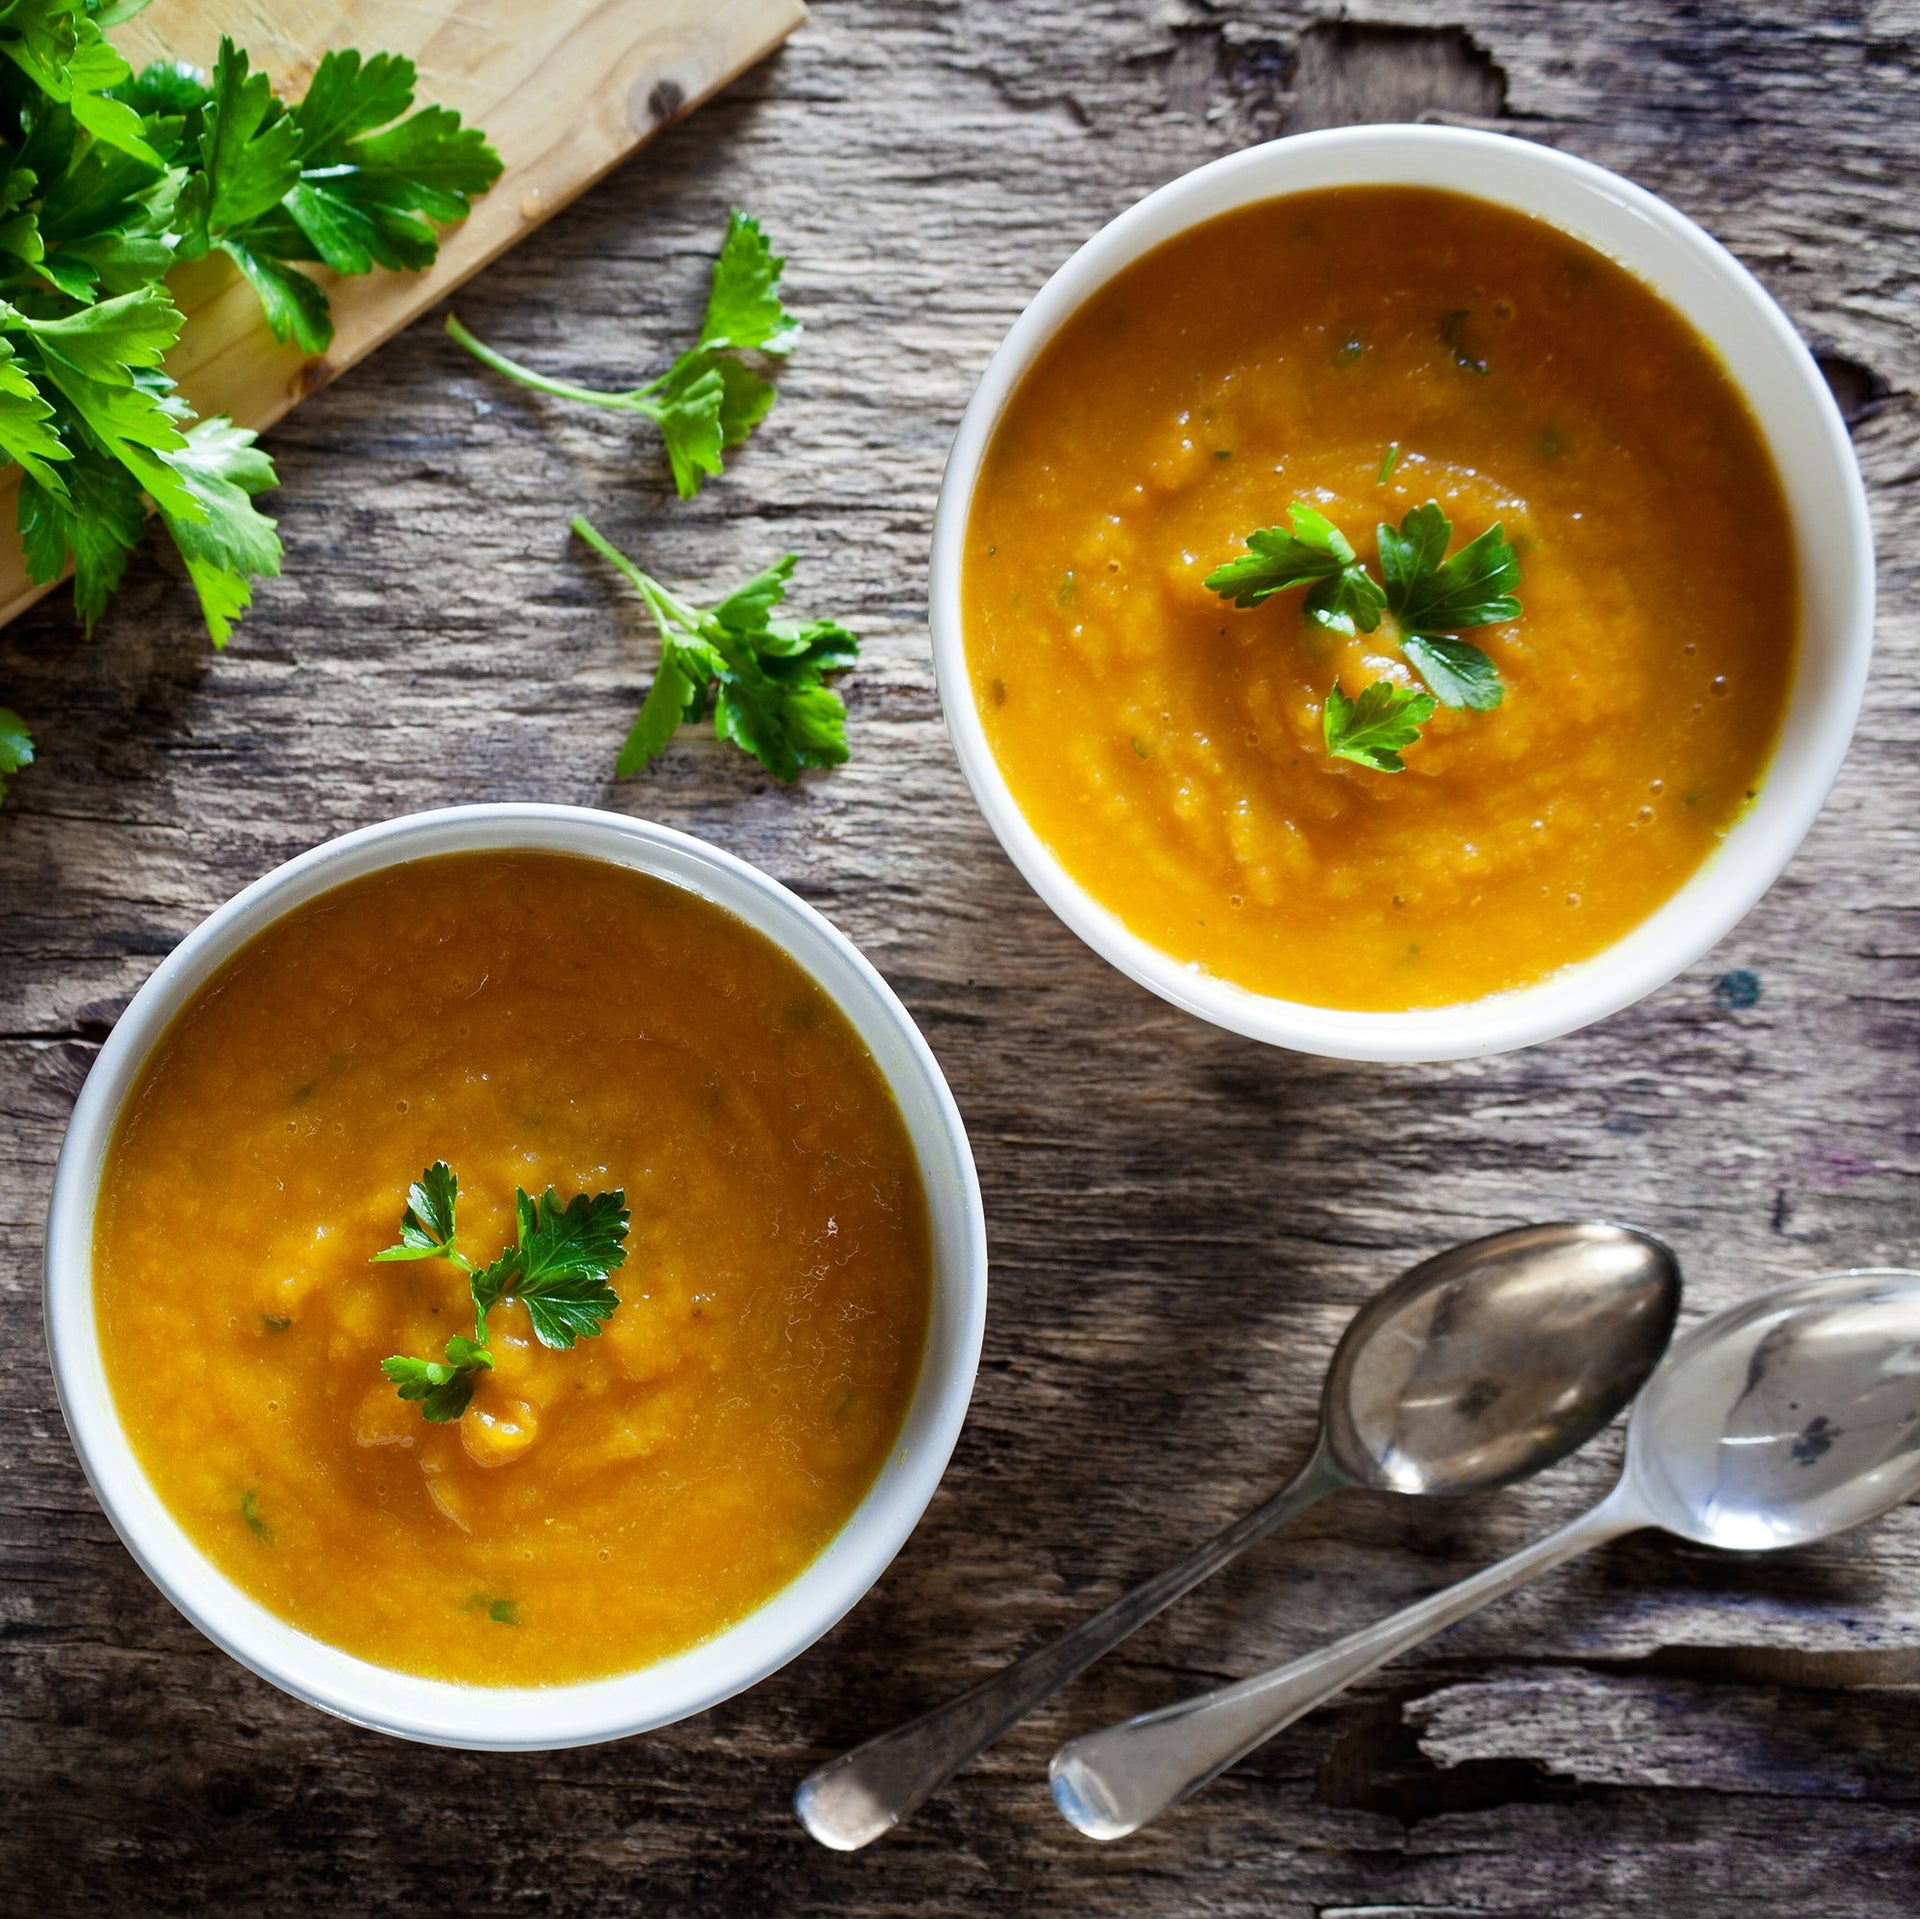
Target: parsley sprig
(1341, 593)
(763, 679)
(1428, 597)
(557, 1268)
(709, 399)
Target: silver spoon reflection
(1476, 1368)
(1780, 1421)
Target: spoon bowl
(1788, 1419)
(1495, 1359)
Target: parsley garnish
(1428, 597)
(763, 678)
(250, 1512)
(442, 1388)
(1372, 729)
(1342, 595)
(110, 179)
(709, 399)
(557, 1268)
(1471, 589)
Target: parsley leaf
(1474, 588)
(708, 399)
(349, 97)
(367, 198)
(557, 1268)
(569, 1309)
(109, 341)
(16, 746)
(249, 152)
(1372, 729)
(427, 1226)
(94, 522)
(1456, 670)
(27, 430)
(489, 1284)
(102, 221)
(744, 310)
(58, 45)
(558, 1242)
(232, 543)
(94, 360)
(444, 1388)
(164, 93)
(1342, 593)
(563, 1258)
(330, 179)
(765, 677)
(295, 306)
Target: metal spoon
(1479, 1366)
(1783, 1420)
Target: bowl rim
(1521, 175)
(528, 1718)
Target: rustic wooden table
(1181, 1221)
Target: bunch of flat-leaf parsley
(107, 181)
(1429, 598)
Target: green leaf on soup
(426, 1227)
(1456, 671)
(1372, 729)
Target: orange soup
(1364, 351)
(532, 1020)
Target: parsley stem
(668, 610)
(633, 402)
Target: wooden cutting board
(565, 89)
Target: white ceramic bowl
(528, 1718)
(1796, 414)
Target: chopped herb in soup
(1380, 482)
(609, 1371)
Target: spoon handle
(852, 1800)
(1112, 1782)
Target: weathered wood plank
(1180, 1221)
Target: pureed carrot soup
(1361, 352)
(530, 1020)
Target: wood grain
(566, 90)
(1180, 1221)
